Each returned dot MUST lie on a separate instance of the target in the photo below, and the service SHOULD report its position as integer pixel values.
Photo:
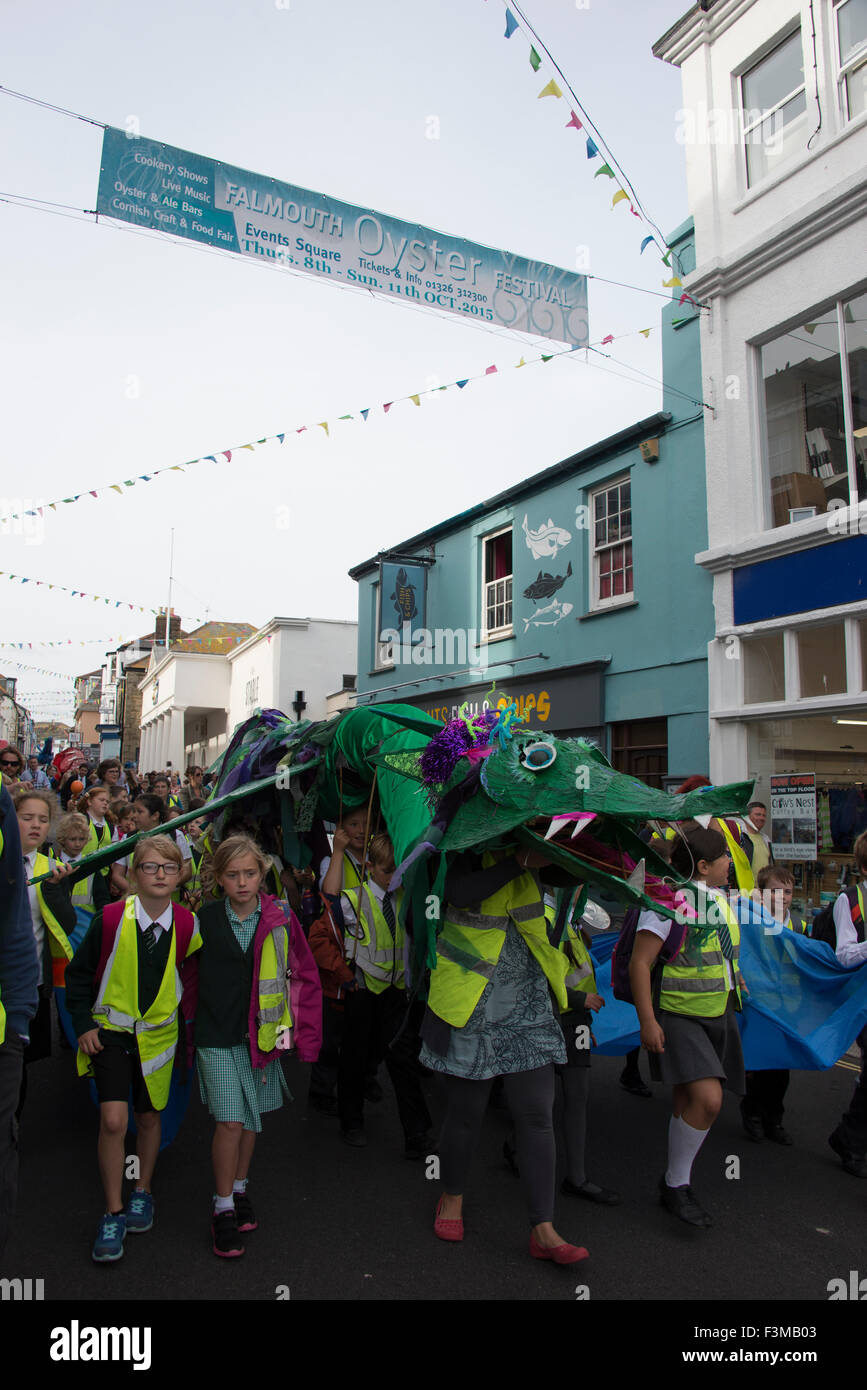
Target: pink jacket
(305, 991)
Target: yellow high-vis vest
(469, 946)
(274, 1014)
(96, 840)
(695, 983)
(377, 951)
(117, 1007)
(746, 879)
(58, 941)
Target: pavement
(346, 1224)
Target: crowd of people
(227, 955)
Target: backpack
(621, 987)
(824, 929)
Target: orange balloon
(76, 787)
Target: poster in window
(793, 816)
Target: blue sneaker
(109, 1238)
(139, 1212)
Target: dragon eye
(537, 756)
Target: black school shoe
(681, 1202)
(856, 1164)
(602, 1196)
(778, 1135)
(753, 1128)
(224, 1230)
(632, 1082)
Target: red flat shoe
(448, 1228)
(560, 1254)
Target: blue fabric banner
(803, 1009)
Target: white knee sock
(684, 1143)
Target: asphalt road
(346, 1224)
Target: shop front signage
(561, 700)
(793, 816)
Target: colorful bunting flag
(619, 196)
(550, 90)
(535, 60)
(573, 121)
(511, 24)
(605, 169)
(592, 149)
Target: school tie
(388, 911)
(725, 937)
(150, 938)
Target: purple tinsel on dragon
(440, 758)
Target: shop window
(822, 660)
(497, 572)
(640, 748)
(764, 671)
(805, 435)
(855, 321)
(850, 18)
(612, 544)
(774, 107)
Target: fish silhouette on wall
(404, 597)
(547, 584)
(555, 607)
(547, 540)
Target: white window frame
(747, 130)
(506, 629)
(845, 70)
(838, 307)
(616, 600)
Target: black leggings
(530, 1095)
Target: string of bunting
(78, 593)
(40, 670)
(115, 640)
(325, 425)
(596, 148)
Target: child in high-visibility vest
(51, 914)
(94, 804)
(687, 1012)
(126, 973)
(243, 1011)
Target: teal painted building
(575, 592)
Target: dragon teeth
(636, 878)
(557, 823)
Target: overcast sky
(125, 351)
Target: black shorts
(116, 1069)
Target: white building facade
(193, 701)
(774, 129)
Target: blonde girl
(242, 980)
